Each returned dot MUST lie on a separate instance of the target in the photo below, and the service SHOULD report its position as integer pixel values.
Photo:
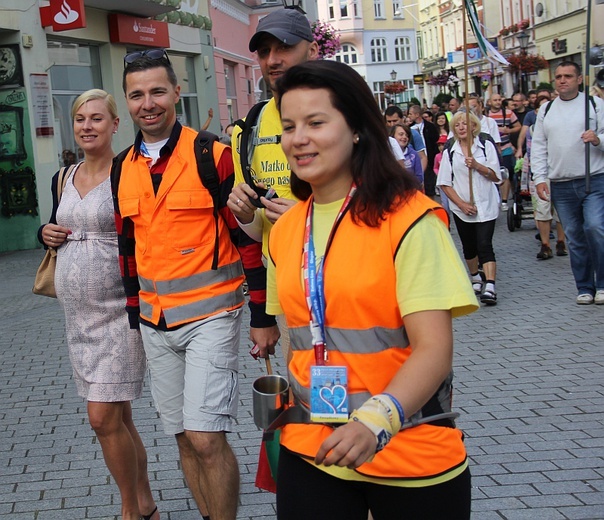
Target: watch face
(8, 65)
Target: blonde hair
(595, 90)
(474, 122)
(92, 94)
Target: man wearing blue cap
(282, 40)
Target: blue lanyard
(314, 281)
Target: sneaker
(599, 297)
(504, 206)
(587, 299)
(561, 248)
(489, 297)
(545, 253)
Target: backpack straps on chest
(248, 139)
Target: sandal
(489, 297)
(477, 286)
(148, 517)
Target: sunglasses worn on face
(153, 54)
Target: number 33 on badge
(329, 394)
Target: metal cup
(270, 395)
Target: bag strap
(206, 168)
(249, 131)
(64, 173)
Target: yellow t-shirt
(269, 164)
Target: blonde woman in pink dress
(107, 356)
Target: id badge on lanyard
(328, 384)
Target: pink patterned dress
(107, 356)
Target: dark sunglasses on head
(153, 54)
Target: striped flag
(491, 53)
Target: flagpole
(469, 136)
(586, 91)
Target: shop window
(402, 48)
(343, 9)
(75, 69)
(379, 50)
(347, 54)
(187, 109)
(330, 9)
(230, 80)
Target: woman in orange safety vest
(368, 279)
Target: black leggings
(476, 239)
(305, 492)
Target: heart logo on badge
(334, 397)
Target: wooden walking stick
(469, 138)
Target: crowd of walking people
(348, 259)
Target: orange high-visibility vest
(365, 332)
(175, 233)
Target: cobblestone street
(529, 384)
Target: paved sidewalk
(529, 377)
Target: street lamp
(441, 62)
(393, 88)
(293, 4)
(523, 39)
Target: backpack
(483, 137)
(203, 148)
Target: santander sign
(64, 15)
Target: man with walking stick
(559, 169)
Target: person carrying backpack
(183, 277)
(475, 203)
(282, 39)
(558, 155)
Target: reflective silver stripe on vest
(189, 283)
(204, 307)
(355, 401)
(190, 311)
(351, 341)
(146, 309)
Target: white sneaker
(599, 298)
(504, 206)
(588, 299)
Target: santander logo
(66, 15)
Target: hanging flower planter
(505, 31)
(526, 63)
(327, 38)
(395, 87)
(440, 80)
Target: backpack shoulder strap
(547, 107)
(246, 144)
(206, 167)
(449, 147)
(116, 173)
(204, 144)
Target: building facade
(379, 40)
(45, 64)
